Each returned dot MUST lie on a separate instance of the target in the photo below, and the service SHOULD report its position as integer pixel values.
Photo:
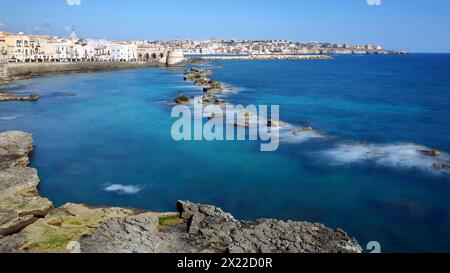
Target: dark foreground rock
(205, 228)
(210, 228)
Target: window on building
(19, 43)
(25, 43)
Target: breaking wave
(291, 134)
(122, 189)
(388, 155)
(6, 118)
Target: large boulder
(15, 146)
(20, 202)
(144, 233)
(211, 228)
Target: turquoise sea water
(104, 139)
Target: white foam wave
(388, 155)
(122, 189)
(190, 86)
(289, 136)
(6, 118)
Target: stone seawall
(265, 57)
(30, 69)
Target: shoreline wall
(25, 69)
(264, 57)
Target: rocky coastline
(30, 223)
(264, 57)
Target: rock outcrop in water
(182, 99)
(11, 97)
(28, 222)
(431, 153)
(441, 166)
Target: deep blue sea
(105, 139)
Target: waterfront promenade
(12, 70)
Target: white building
(122, 51)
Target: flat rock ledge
(205, 228)
(29, 223)
(20, 202)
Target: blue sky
(416, 25)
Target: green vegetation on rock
(170, 219)
(65, 224)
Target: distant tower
(73, 35)
(175, 57)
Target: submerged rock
(198, 72)
(302, 130)
(209, 98)
(441, 166)
(432, 153)
(202, 81)
(275, 123)
(212, 90)
(246, 119)
(182, 99)
(11, 97)
(220, 102)
(216, 116)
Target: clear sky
(416, 25)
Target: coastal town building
(41, 47)
(45, 48)
(19, 46)
(122, 51)
(3, 48)
(150, 50)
